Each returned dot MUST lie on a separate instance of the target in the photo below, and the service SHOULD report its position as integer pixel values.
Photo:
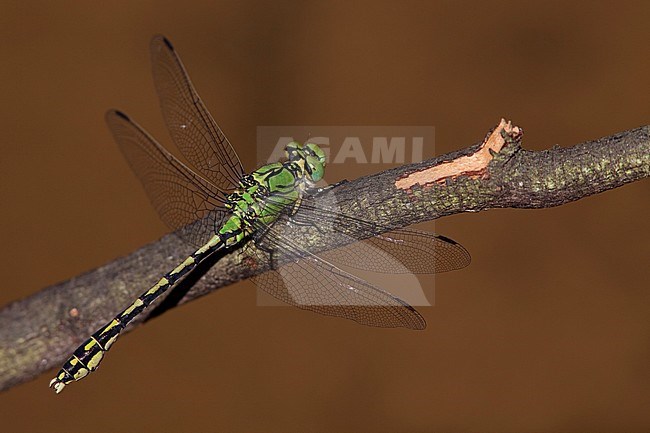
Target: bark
(39, 332)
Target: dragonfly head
(311, 156)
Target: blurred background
(547, 330)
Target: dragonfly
(212, 203)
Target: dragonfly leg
(258, 240)
(296, 220)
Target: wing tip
(417, 322)
(446, 239)
(112, 113)
(118, 113)
(168, 43)
(465, 258)
(161, 39)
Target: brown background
(547, 330)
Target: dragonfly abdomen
(88, 356)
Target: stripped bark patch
(474, 165)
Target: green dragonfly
(219, 208)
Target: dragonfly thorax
(272, 188)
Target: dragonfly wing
(180, 196)
(402, 251)
(191, 126)
(309, 282)
(393, 251)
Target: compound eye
(316, 151)
(292, 149)
(314, 168)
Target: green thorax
(261, 197)
(271, 189)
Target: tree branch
(39, 332)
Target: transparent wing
(394, 251)
(309, 282)
(179, 195)
(191, 126)
(415, 251)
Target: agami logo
(352, 144)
